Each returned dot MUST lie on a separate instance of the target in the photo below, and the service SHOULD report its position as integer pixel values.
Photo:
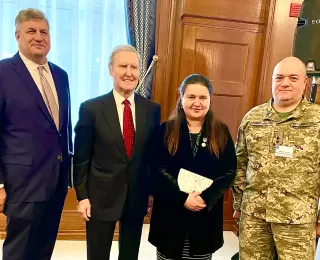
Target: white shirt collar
(32, 66)
(119, 99)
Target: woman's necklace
(196, 145)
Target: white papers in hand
(190, 182)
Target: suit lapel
(111, 115)
(23, 72)
(60, 91)
(141, 115)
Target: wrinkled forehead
(126, 57)
(35, 24)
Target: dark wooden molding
(218, 23)
(248, 11)
(165, 39)
(265, 55)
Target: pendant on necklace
(204, 140)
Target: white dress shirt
(33, 69)
(120, 108)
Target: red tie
(128, 127)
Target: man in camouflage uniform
(276, 189)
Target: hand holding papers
(191, 182)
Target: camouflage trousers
(259, 239)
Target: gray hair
(125, 48)
(29, 14)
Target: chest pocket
(304, 138)
(258, 138)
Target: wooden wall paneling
(168, 49)
(229, 58)
(266, 46)
(188, 55)
(248, 11)
(282, 30)
(220, 39)
(228, 55)
(175, 80)
(164, 34)
(228, 221)
(172, 15)
(72, 227)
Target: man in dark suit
(111, 160)
(35, 142)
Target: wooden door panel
(216, 53)
(229, 57)
(229, 115)
(252, 11)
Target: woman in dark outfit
(190, 226)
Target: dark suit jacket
(102, 171)
(170, 221)
(31, 147)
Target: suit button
(59, 157)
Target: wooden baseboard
(230, 226)
(72, 227)
(77, 231)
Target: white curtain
(83, 32)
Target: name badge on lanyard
(284, 151)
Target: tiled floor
(76, 250)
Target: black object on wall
(306, 44)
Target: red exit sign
(294, 10)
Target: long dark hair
(213, 129)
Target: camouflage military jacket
(279, 189)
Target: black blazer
(102, 171)
(170, 221)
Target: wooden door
(229, 57)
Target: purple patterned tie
(49, 98)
